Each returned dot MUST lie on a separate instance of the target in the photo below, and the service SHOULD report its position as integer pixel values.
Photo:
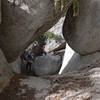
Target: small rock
(47, 65)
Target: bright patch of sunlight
(67, 56)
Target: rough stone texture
(84, 85)
(47, 65)
(23, 23)
(0, 12)
(5, 72)
(79, 62)
(16, 65)
(82, 33)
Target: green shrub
(50, 35)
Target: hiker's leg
(30, 66)
(27, 65)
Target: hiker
(27, 59)
(30, 60)
(42, 51)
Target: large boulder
(79, 62)
(23, 22)
(47, 65)
(82, 33)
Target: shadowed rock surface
(0, 12)
(82, 33)
(16, 65)
(23, 23)
(5, 72)
(47, 65)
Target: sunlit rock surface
(84, 85)
(57, 29)
(67, 57)
(51, 44)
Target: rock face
(20, 27)
(82, 33)
(5, 72)
(79, 62)
(0, 12)
(16, 66)
(25, 21)
(84, 85)
(47, 65)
